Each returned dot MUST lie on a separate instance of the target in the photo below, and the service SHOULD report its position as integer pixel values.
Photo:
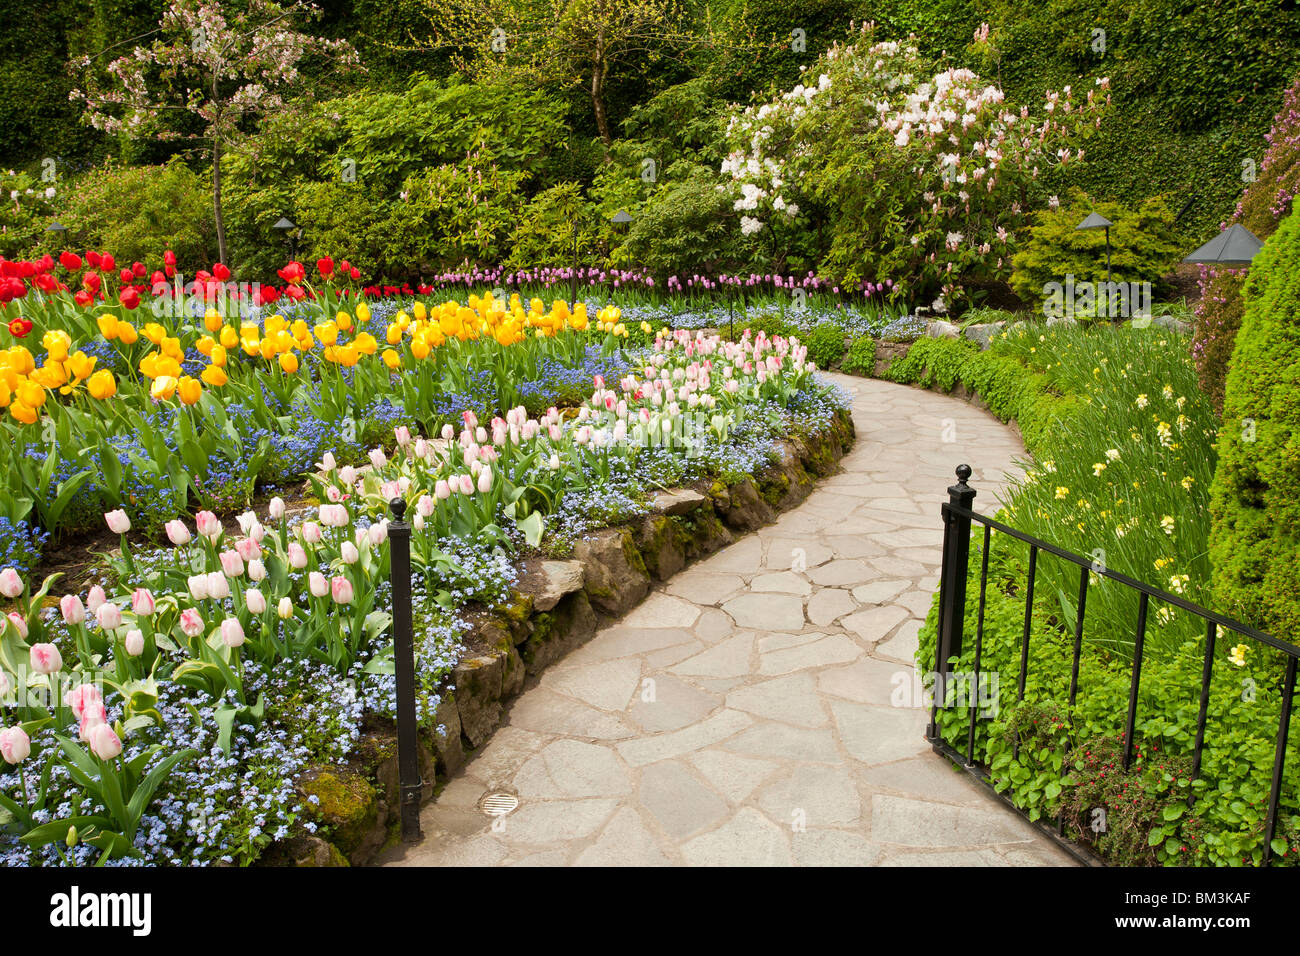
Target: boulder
(615, 578)
(677, 501)
(748, 511)
(550, 581)
(941, 329)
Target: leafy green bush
(861, 357)
(25, 211)
(1254, 540)
(826, 345)
(557, 228)
(137, 212)
(1262, 206)
(1143, 247)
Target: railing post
(408, 757)
(952, 587)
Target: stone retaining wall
(557, 606)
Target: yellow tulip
(149, 365)
(58, 343)
(108, 326)
(81, 365)
(229, 337)
(163, 388)
(50, 375)
(23, 412)
(190, 390)
(215, 376)
(205, 345)
(212, 320)
(363, 312)
(289, 363)
(347, 355)
(172, 347)
(20, 360)
(126, 333)
(420, 311)
(394, 334)
(365, 343)
(327, 332)
(31, 394)
(169, 366)
(343, 321)
(299, 329)
(154, 332)
(102, 385)
(218, 356)
(249, 330)
(5, 393)
(392, 359)
(419, 347)
(268, 349)
(276, 324)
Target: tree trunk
(598, 104)
(216, 200)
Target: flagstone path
(752, 710)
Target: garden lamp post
(288, 227)
(56, 226)
(1235, 246)
(1095, 221)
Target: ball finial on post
(398, 508)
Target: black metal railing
(958, 516)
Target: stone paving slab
(748, 713)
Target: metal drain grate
(498, 804)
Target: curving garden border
(556, 606)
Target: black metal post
(952, 583)
(1108, 255)
(408, 757)
(573, 282)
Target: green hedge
(1255, 543)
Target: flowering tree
(212, 61)
(920, 180)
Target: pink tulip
(349, 553)
(118, 522)
(95, 598)
(232, 563)
(208, 525)
(46, 659)
(15, 745)
(255, 600)
(297, 556)
(317, 584)
(177, 533)
(11, 585)
(74, 612)
(285, 609)
(403, 435)
(448, 433)
(441, 491)
(466, 484)
(134, 642)
(218, 586)
(276, 508)
(348, 475)
(377, 533)
(20, 624)
(109, 616)
(232, 632)
(142, 603)
(83, 697)
(104, 743)
(248, 548)
(426, 504)
(485, 480)
(256, 570)
(311, 532)
(198, 584)
(341, 589)
(92, 715)
(191, 622)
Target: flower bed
(166, 716)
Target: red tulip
(293, 273)
(107, 263)
(170, 270)
(221, 272)
(91, 281)
(325, 266)
(70, 261)
(19, 327)
(138, 269)
(295, 292)
(265, 295)
(169, 258)
(44, 264)
(46, 283)
(126, 276)
(84, 298)
(345, 266)
(157, 278)
(93, 258)
(129, 297)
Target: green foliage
(557, 228)
(137, 212)
(861, 357)
(1254, 540)
(25, 211)
(686, 226)
(1142, 242)
(826, 345)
